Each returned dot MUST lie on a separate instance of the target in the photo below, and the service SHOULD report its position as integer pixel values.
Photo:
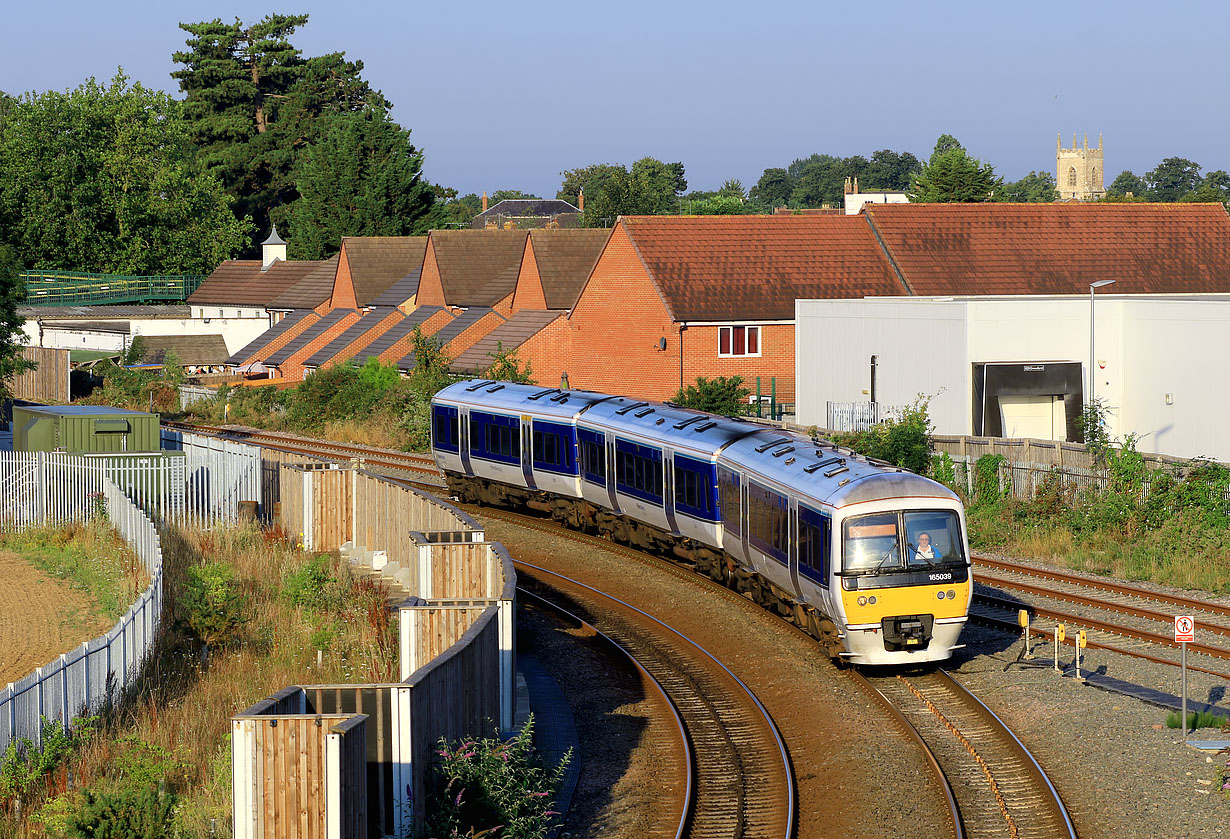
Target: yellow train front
(877, 552)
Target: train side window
(592, 447)
(445, 432)
(495, 437)
(815, 544)
(639, 470)
(767, 514)
(728, 500)
(694, 487)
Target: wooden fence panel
(290, 498)
(49, 382)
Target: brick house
(465, 268)
(672, 298)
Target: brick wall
(343, 296)
(528, 293)
(471, 335)
(549, 353)
(292, 368)
(616, 325)
(379, 328)
(402, 347)
(700, 358)
(431, 287)
(281, 341)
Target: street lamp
(1092, 286)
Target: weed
(1196, 719)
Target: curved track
(744, 782)
(1000, 789)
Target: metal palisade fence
(858, 416)
(201, 486)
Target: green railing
(78, 288)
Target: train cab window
(815, 544)
(728, 500)
(694, 489)
(933, 537)
(444, 429)
(638, 470)
(871, 543)
(553, 447)
(592, 448)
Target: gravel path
(1121, 772)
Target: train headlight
(939, 595)
(862, 601)
(872, 600)
(952, 595)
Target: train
(870, 559)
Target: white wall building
(1018, 366)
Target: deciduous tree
(1036, 187)
(11, 336)
(105, 179)
(1172, 179)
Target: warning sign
(1184, 629)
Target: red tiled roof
(240, 282)
(478, 267)
(710, 268)
(565, 259)
(947, 249)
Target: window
(592, 445)
(638, 470)
(495, 437)
(815, 535)
(1071, 176)
(738, 340)
(767, 526)
(554, 447)
(694, 487)
(895, 542)
(444, 433)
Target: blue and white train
(870, 559)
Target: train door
(610, 471)
(668, 488)
(463, 431)
(792, 546)
(527, 451)
(744, 521)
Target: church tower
(1078, 171)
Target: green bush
(722, 395)
(213, 606)
(129, 814)
(308, 585)
(904, 442)
(488, 784)
(1196, 719)
(25, 764)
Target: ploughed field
(40, 617)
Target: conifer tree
(952, 176)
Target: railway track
(999, 789)
(1119, 617)
(744, 785)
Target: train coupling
(907, 632)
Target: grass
(91, 558)
(1196, 719)
(173, 729)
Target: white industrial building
(1017, 366)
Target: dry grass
(184, 709)
(382, 435)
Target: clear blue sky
(507, 95)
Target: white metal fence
(190, 394)
(201, 486)
(82, 680)
(859, 416)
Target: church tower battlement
(1078, 171)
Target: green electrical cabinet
(84, 429)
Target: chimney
(581, 199)
(484, 201)
(273, 249)
(856, 185)
(848, 186)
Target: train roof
(826, 472)
(519, 398)
(680, 427)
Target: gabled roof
(529, 207)
(377, 262)
(713, 268)
(306, 337)
(478, 267)
(368, 322)
(450, 331)
(310, 291)
(269, 335)
(948, 249)
(565, 259)
(190, 349)
(176, 310)
(416, 318)
(401, 291)
(508, 336)
(240, 282)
